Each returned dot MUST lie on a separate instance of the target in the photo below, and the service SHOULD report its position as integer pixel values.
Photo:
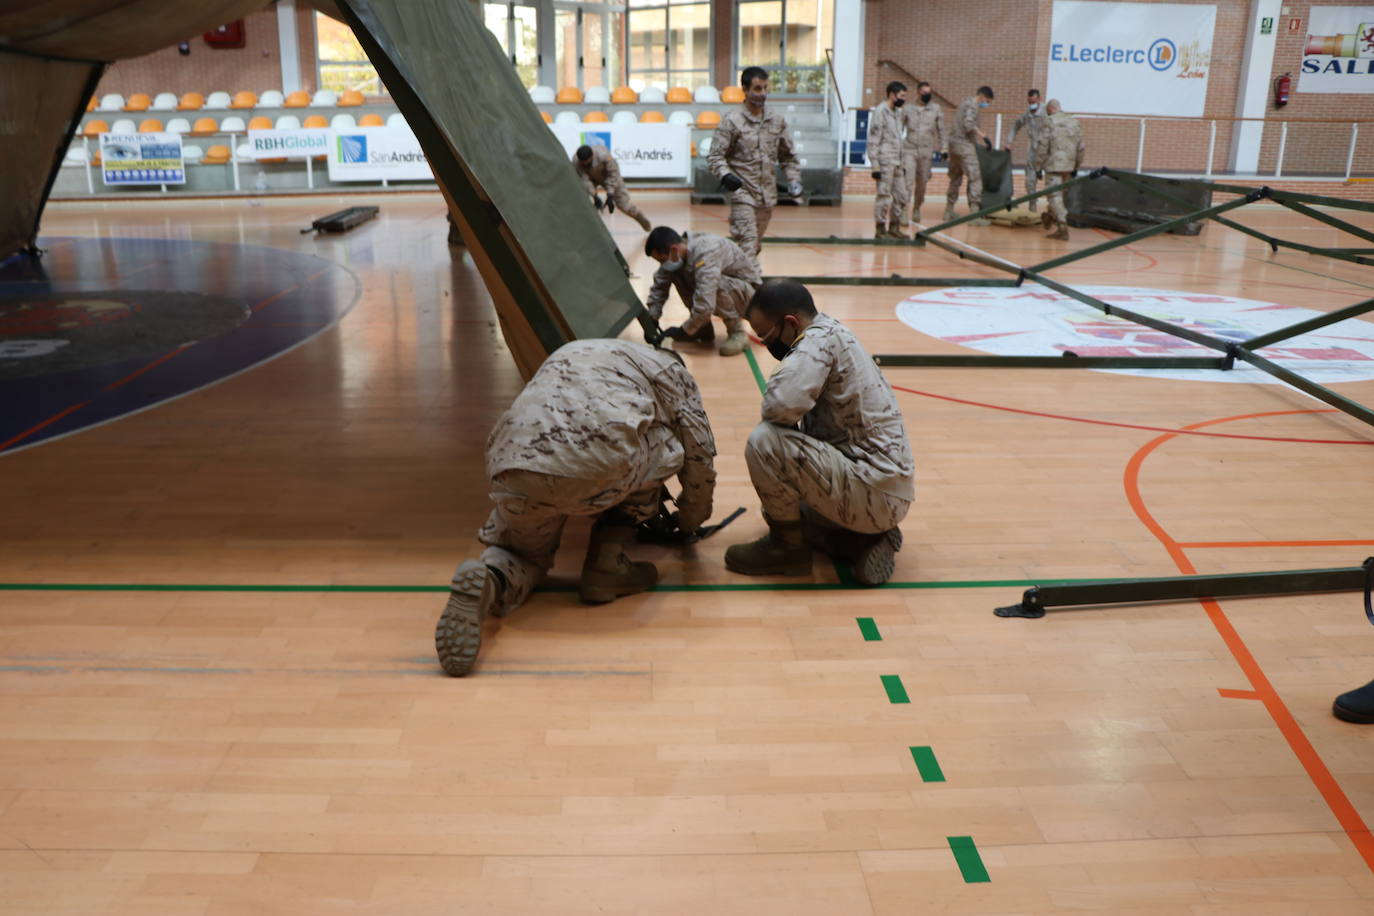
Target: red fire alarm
(1295, 25)
(229, 35)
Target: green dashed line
(896, 693)
(754, 367)
(869, 629)
(970, 863)
(928, 766)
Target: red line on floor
(1335, 797)
(155, 363)
(33, 429)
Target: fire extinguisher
(1282, 86)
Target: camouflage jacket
(966, 128)
(750, 147)
(831, 386)
(600, 172)
(886, 127)
(613, 411)
(1060, 148)
(925, 128)
(709, 259)
(1033, 123)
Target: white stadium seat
(597, 95)
(164, 101)
(567, 117)
(270, 99)
(324, 99)
(287, 122)
(77, 155)
(192, 153)
(111, 102)
(233, 125)
(218, 100)
(124, 126)
(178, 126)
(244, 153)
(624, 117)
(343, 122)
(704, 147)
(706, 95)
(652, 95)
(396, 119)
(542, 95)
(682, 117)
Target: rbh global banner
(1131, 58)
(1338, 55)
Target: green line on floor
(928, 766)
(754, 367)
(896, 693)
(869, 629)
(970, 863)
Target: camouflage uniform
(750, 146)
(832, 439)
(716, 277)
(925, 136)
(963, 159)
(602, 171)
(1033, 123)
(886, 129)
(1060, 152)
(601, 425)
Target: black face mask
(777, 349)
(926, 97)
(898, 103)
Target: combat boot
(607, 574)
(880, 230)
(980, 221)
(735, 344)
(1047, 219)
(783, 551)
(1356, 706)
(897, 233)
(707, 334)
(949, 213)
(1060, 234)
(473, 595)
(876, 558)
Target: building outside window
(670, 44)
(788, 38)
(342, 63)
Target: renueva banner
(376, 154)
(153, 158)
(641, 150)
(1338, 55)
(1130, 58)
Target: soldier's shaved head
(584, 152)
(1053, 106)
(782, 296)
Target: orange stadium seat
(708, 119)
(150, 126)
(569, 95)
(260, 123)
(216, 155)
(732, 95)
(548, 118)
(139, 101)
(595, 117)
(95, 127)
(624, 95)
(652, 117)
(351, 98)
(371, 120)
(204, 126)
(298, 99)
(315, 121)
(191, 101)
(90, 106)
(679, 95)
(244, 99)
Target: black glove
(598, 201)
(676, 333)
(610, 204)
(940, 156)
(731, 183)
(1040, 175)
(987, 143)
(877, 176)
(1074, 173)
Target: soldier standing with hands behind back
(886, 134)
(745, 152)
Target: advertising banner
(377, 154)
(142, 159)
(297, 143)
(1130, 58)
(1338, 55)
(641, 150)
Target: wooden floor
(722, 750)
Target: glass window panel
(615, 51)
(648, 36)
(495, 16)
(565, 47)
(760, 32)
(340, 77)
(639, 81)
(689, 45)
(335, 41)
(527, 45)
(810, 30)
(593, 53)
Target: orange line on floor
(33, 429)
(1307, 755)
(154, 364)
(1276, 543)
(1238, 694)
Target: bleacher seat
(288, 122)
(191, 101)
(244, 99)
(216, 155)
(541, 95)
(706, 95)
(548, 118)
(652, 95)
(371, 119)
(124, 126)
(624, 95)
(178, 126)
(90, 104)
(652, 117)
(350, 98)
(139, 101)
(76, 155)
(597, 95)
(595, 117)
(623, 117)
(679, 95)
(111, 102)
(217, 101)
(95, 127)
(324, 99)
(704, 147)
(343, 122)
(681, 117)
(396, 119)
(707, 119)
(164, 101)
(315, 121)
(233, 125)
(150, 126)
(732, 95)
(95, 158)
(270, 99)
(569, 95)
(244, 152)
(298, 99)
(192, 153)
(567, 117)
(260, 122)
(204, 127)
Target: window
(341, 60)
(788, 38)
(670, 43)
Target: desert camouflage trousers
(791, 470)
(916, 163)
(526, 524)
(748, 224)
(963, 161)
(1056, 198)
(893, 196)
(621, 197)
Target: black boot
(1356, 706)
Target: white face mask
(672, 265)
(1035, 106)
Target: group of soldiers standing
(904, 140)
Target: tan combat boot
(1047, 219)
(875, 560)
(880, 230)
(458, 635)
(1061, 234)
(783, 551)
(735, 344)
(607, 574)
(949, 213)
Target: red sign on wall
(1295, 25)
